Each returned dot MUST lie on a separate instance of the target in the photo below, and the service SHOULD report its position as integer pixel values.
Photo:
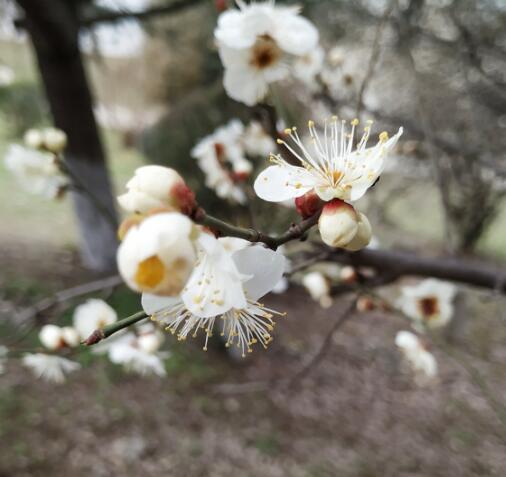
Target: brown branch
(402, 263)
(294, 232)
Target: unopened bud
(55, 140)
(308, 204)
(363, 235)
(318, 287)
(51, 337)
(33, 138)
(338, 223)
(157, 186)
(348, 274)
(365, 303)
(70, 336)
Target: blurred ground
(356, 414)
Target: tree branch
(401, 263)
(102, 333)
(295, 231)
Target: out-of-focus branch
(109, 16)
(66, 295)
(401, 263)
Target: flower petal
(153, 303)
(278, 183)
(265, 266)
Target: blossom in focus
(307, 67)
(158, 255)
(221, 157)
(318, 286)
(49, 367)
(157, 187)
(430, 303)
(140, 353)
(223, 291)
(257, 44)
(329, 164)
(93, 315)
(55, 337)
(36, 171)
(422, 362)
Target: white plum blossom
(307, 67)
(36, 171)
(51, 368)
(257, 44)
(224, 288)
(93, 315)
(329, 165)
(139, 353)
(221, 157)
(153, 187)
(318, 286)
(158, 255)
(430, 303)
(256, 141)
(422, 362)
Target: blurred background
(139, 81)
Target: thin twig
(102, 333)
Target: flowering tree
(198, 275)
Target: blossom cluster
(35, 164)
(225, 157)
(139, 351)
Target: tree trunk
(54, 31)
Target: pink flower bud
(338, 223)
(308, 204)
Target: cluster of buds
(54, 337)
(48, 139)
(340, 225)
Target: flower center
(336, 177)
(428, 306)
(219, 150)
(265, 52)
(150, 272)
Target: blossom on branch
(139, 352)
(55, 337)
(36, 171)
(221, 157)
(430, 303)
(158, 255)
(224, 288)
(421, 361)
(49, 367)
(157, 187)
(329, 165)
(93, 315)
(257, 44)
